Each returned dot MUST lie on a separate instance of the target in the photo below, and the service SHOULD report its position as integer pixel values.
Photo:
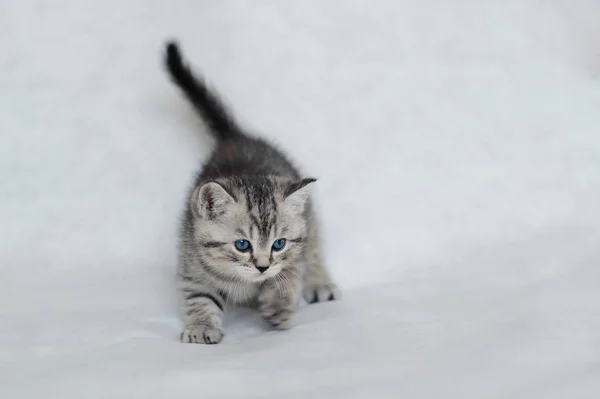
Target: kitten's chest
(240, 294)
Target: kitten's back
(247, 156)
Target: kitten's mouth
(249, 273)
(271, 273)
(252, 274)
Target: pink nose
(262, 261)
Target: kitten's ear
(296, 194)
(210, 200)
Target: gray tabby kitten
(249, 234)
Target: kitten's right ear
(210, 200)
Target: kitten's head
(250, 228)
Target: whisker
(277, 281)
(289, 283)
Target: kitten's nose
(262, 268)
(262, 263)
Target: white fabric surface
(458, 149)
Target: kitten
(249, 234)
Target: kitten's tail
(207, 102)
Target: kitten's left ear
(296, 194)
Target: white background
(457, 147)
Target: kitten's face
(250, 230)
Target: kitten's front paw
(281, 319)
(201, 335)
(320, 293)
(278, 304)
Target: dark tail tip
(173, 56)
(206, 102)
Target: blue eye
(279, 244)
(242, 245)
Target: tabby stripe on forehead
(254, 221)
(297, 239)
(248, 201)
(273, 208)
(265, 227)
(267, 214)
(206, 295)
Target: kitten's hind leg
(317, 284)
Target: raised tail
(207, 102)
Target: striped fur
(247, 190)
